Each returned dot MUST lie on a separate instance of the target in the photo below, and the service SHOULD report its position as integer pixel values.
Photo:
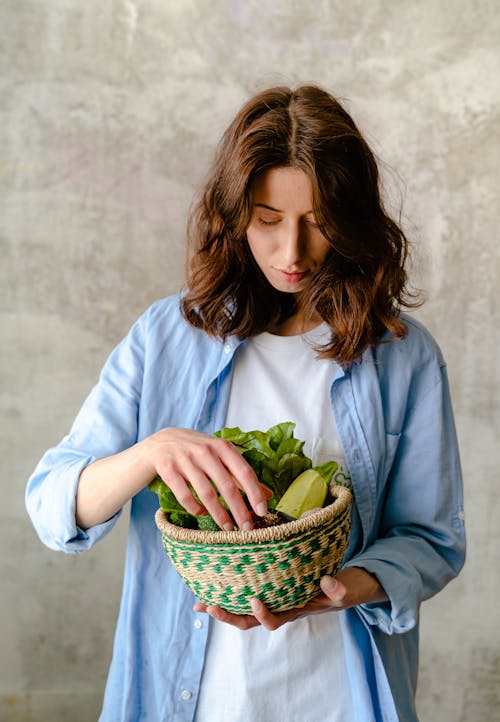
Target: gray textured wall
(109, 113)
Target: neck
(295, 325)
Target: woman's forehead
(276, 188)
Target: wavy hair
(362, 285)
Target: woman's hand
(351, 586)
(183, 457)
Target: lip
(294, 277)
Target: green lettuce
(275, 455)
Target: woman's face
(282, 235)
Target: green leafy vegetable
(166, 496)
(207, 523)
(184, 519)
(175, 511)
(275, 455)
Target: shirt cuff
(400, 613)
(54, 511)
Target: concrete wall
(109, 113)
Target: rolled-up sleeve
(420, 544)
(106, 424)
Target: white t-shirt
(297, 672)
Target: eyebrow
(276, 210)
(269, 208)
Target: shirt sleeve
(106, 424)
(420, 546)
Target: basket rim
(199, 536)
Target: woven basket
(281, 565)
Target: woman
(292, 312)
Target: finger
(241, 621)
(236, 504)
(211, 467)
(269, 620)
(263, 615)
(210, 498)
(199, 607)
(334, 590)
(244, 476)
(190, 468)
(183, 494)
(204, 470)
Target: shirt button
(461, 515)
(227, 348)
(198, 624)
(186, 694)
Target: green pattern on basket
(283, 572)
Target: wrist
(372, 589)
(362, 586)
(137, 468)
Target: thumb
(333, 589)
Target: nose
(292, 244)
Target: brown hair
(360, 288)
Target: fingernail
(261, 508)
(228, 526)
(328, 583)
(256, 605)
(247, 525)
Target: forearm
(107, 484)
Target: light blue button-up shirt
(395, 422)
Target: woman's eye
(265, 222)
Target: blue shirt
(394, 417)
